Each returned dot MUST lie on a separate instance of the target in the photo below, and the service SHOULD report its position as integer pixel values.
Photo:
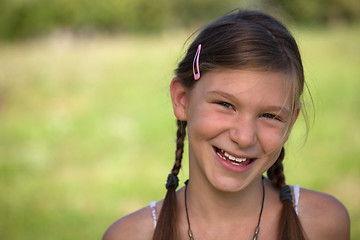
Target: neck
(257, 229)
(206, 202)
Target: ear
(178, 97)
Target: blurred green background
(86, 126)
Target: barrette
(196, 61)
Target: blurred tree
(189, 12)
(321, 11)
(26, 18)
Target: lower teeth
(233, 162)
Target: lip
(239, 165)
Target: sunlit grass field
(87, 131)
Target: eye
(225, 104)
(270, 116)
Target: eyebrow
(223, 94)
(233, 98)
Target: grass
(87, 131)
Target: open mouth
(232, 159)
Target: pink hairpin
(196, 61)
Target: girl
(238, 92)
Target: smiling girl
(238, 92)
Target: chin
(228, 184)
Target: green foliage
(26, 18)
(88, 134)
(322, 11)
(19, 19)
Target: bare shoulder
(137, 225)
(323, 216)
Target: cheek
(271, 139)
(271, 142)
(203, 122)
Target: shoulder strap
(296, 189)
(153, 212)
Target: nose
(243, 133)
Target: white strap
(296, 196)
(153, 211)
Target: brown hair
(240, 40)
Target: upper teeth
(234, 158)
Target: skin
(247, 114)
(244, 113)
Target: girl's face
(237, 124)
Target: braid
(276, 171)
(290, 225)
(166, 227)
(180, 134)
